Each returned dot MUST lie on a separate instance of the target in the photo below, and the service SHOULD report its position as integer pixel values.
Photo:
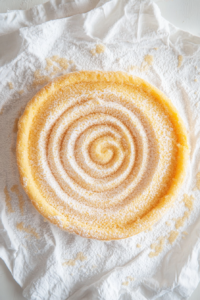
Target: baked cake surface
(101, 154)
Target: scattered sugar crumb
(173, 236)
(39, 79)
(49, 63)
(168, 223)
(130, 278)
(132, 68)
(63, 62)
(93, 52)
(55, 71)
(180, 61)
(20, 226)
(10, 84)
(100, 48)
(74, 68)
(198, 181)
(80, 256)
(149, 59)
(158, 247)
(188, 200)
(8, 200)
(55, 58)
(15, 190)
(144, 67)
(195, 79)
(181, 221)
(71, 262)
(126, 283)
(156, 48)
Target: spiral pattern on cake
(101, 154)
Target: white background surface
(184, 14)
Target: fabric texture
(47, 262)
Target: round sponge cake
(101, 154)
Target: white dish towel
(47, 262)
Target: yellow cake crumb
(138, 245)
(55, 71)
(20, 226)
(71, 262)
(63, 62)
(173, 236)
(144, 67)
(149, 59)
(21, 92)
(15, 190)
(49, 63)
(74, 68)
(10, 84)
(180, 61)
(80, 256)
(181, 221)
(8, 200)
(55, 58)
(126, 283)
(100, 48)
(158, 247)
(198, 181)
(132, 68)
(39, 79)
(130, 278)
(188, 200)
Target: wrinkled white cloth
(129, 30)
